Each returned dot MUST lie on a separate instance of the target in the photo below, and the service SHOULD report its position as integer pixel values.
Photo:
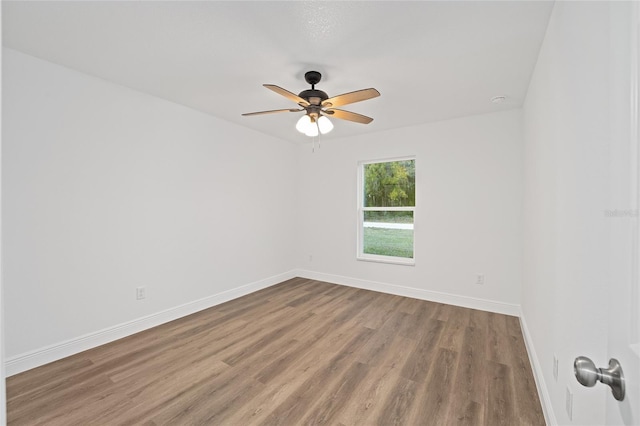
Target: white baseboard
(545, 398)
(36, 358)
(416, 293)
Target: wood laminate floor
(300, 352)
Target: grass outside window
(388, 242)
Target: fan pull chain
(313, 140)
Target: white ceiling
(429, 60)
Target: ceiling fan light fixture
(324, 125)
(303, 124)
(312, 130)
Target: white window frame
(360, 255)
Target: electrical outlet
(555, 367)
(141, 293)
(310, 258)
(569, 403)
(480, 279)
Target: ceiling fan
(318, 105)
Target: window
(386, 209)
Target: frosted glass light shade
(312, 130)
(325, 125)
(303, 124)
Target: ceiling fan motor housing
(313, 96)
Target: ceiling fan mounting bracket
(312, 77)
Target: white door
(624, 261)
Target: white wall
(566, 132)
(105, 189)
(468, 218)
(3, 389)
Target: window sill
(386, 259)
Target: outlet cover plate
(141, 293)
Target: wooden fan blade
(273, 111)
(351, 97)
(287, 94)
(350, 116)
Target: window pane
(388, 233)
(390, 184)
